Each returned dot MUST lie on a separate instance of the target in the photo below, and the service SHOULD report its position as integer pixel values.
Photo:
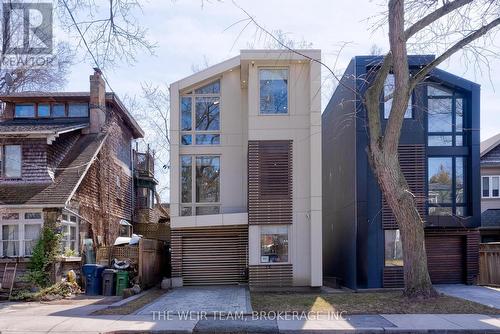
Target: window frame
(453, 96)
(193, 133)
(385, 254)
(51, 105)
(453, 202)
(21, 223)
(66, 225)
(3, 159)
(490, 186)
(288, 244)
(287, 68)
(410, 102)
(193, 205)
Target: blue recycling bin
(93, 278)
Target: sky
(187, 33)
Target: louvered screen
(412, 161)
(270, 182)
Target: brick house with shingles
(65, 160)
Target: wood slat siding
(277, 275)
(393, 277)
(452, 257)
(209, 256)
(412, 161)
(489, 264)
(270, 182)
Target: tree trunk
(402, 202)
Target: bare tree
(466, 22)
(441, 27)
(110, 30)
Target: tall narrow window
(273, 91)
(445, 117)
(486, 186)
(200, 186)
(10, 240)
(12, 161)
(393, 248)
(200, 115)
(446, 186)
(388, 92)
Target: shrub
(43, 257)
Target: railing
(489, 264)
(144, 164)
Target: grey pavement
(75, 317)
(480, 294)
(207, 299)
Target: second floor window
(200, 115)
(200, 186)
(10, 161)
(25, 110)
(490, 186)
(273, 91)
(52, 110)
(447, 195)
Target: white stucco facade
(241, 121)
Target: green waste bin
(121, 282)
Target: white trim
(490, 186)
(21, 223)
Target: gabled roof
(68, 176)
(111, 98)
(489, 144)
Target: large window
(490, 186)
(10, 161)
(388, 92)
(19, 233)
(200, 115)
(273, 244)
(200, 186)
(273, 91)
(445, 110)
(447, 186)
(393, 248)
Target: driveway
(209, 299)
(480, 294)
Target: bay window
(273, 91)
(490, 186)
(274, 244)
(19, 233)
(200, 115)
(447, 194)
(200, 186)
(445, 117)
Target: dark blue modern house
(439, 155)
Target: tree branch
(447, 8)
(420, 75)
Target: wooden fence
(489, 264)
(158, 231)
(147, 257)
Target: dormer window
(51, 110)
(25, 110)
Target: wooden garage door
(445, 258)
(212, 259)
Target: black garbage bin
(93, 278)
(108, 282)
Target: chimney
(97, 101)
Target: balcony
(144, 165)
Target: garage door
(445, 259)
(208, 256)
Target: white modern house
(246, 171)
